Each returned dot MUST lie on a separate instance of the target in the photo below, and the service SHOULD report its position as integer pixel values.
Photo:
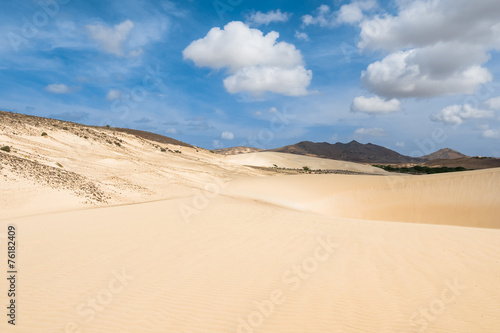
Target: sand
(196, 242)
(291, 161)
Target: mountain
(352, 152)
(471, 163)
(443, 154)
(236, 150)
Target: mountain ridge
(352, 151)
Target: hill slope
(352, 151)
(443, 154)
(237, 150)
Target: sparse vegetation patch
(418, 169)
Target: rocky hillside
(352, 152)
(443, 154)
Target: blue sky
(414, 76)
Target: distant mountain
(443, 154)
(352, 152)
(236, 150)
(471, 163)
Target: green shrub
(65, 128)
(163, 150)
(44, 134)
(306, 169)
(6, 149)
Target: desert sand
(139, 240)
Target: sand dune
(292, 161)
(469, 198)
(246, 266)
(194, 242)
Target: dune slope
(292, 161)
(246, 266)
(469, 198)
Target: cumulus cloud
(226, 135)
(353, 12)
(56, 88)
(259, 79)
(111, 39)
(347, 14)
(422, 23)
(417, 73)
(259, 18)
(256, 62)
(456, 114)
(375, 105)
(300, 35)
(237, 46)
(374, 131)
(493, 103)
(113, 94)
(321, 17)
(438, 47)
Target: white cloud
(492, 134)
(493, 103)
(322, 17)
(347, 14)
(286, 81)
(56, 88)
(375, 105)
(456, 114)
(113, 94)
(226, 135)
(411, 74)
(374, 131)
(300, 35)
(238, 46)
(422, 23)
(273, 110)
(438, 47)
(260, 18)
(256, 62)
(111, 39)
(353, 12)
(400, 144)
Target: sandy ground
(282, 160)
(193, 242)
